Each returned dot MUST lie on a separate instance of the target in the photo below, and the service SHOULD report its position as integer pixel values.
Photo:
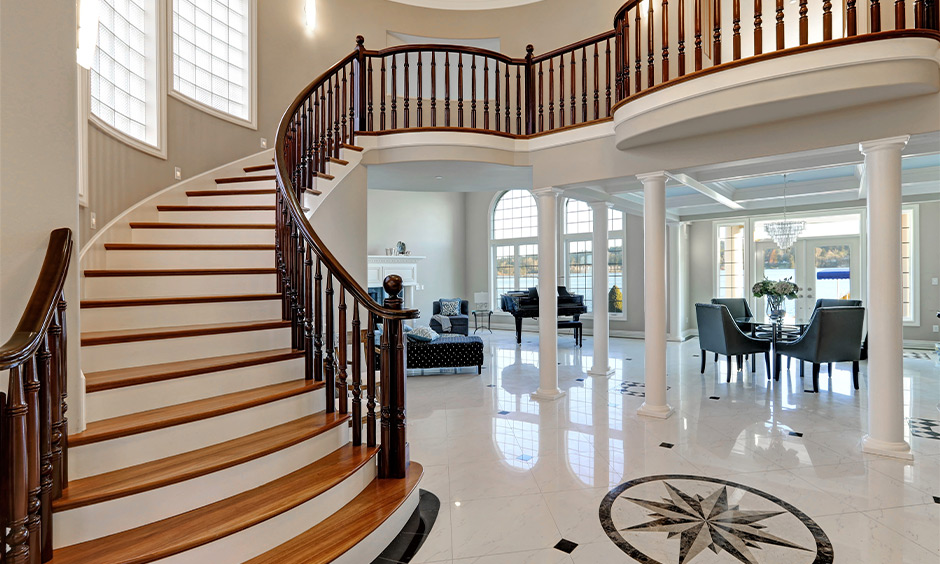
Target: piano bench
(578, 330)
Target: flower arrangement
(776, 291)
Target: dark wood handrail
(442, 48)
(576, 45)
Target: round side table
(478, 320)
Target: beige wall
(289, 57)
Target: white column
(600, 308)
(548, 294)
(885, 317)
(654, 278)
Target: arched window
(514, 248)
(213, 52)
(125, 82)
(579, 254)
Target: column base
(547, 395)
(900, 449)
(596, 371)
(656, 411)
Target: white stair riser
(141, 353)
(167, 286)
(224, 216)
(204, 236)
(232, 199)
(121, 259)
(264, 536)
(372, 546)
(105, 456)
(133, 399)
(102, 519)
(253, 185)
(141, 317)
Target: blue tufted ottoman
(449, 351)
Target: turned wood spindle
(875, 17)
(804, 22)
(446, 89)
(382, 97)
(486, 93)
(736, 30)
(650, 58)
(395, 91)
(433, 89)
(460, 90)
(780, 29)
(681, 52)
(370, 381)
(541, 126)
(716, 34)
(638, 65)
(17, 471)
(330, 361)
(342, 387)
(356, 368)
(551, 93)
(419, 109)
(561, 91)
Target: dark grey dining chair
(832, 302)
(738, 308)
(833, 335)
(718, 333)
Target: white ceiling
(448, 176)
(466, 4)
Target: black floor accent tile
(714, 398)
(666, 445)
(628, 359)
(491, 385)
(405, 546)
(566, 545)
(579, 379)
(795, 434)
(936, 499)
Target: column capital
(887, 143)
(652, 176)
(599, 205)
(547, 191)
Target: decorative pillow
(450, 308)
(423, 335)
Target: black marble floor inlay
(566, 545)
(795, 434)
(714, 398)
(677, 518)
(405, 546)
(491, 385)
(936, 499)
(635, 389)
(666, 445)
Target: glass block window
(515, 216)
(731, 261)
(123, 76)
(212, 54)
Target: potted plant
(776, 291)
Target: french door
(823, 267)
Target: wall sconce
(310, 14)
(87, 32)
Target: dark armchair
(833, 335)
(718, 333)
(458, 323)
(738, 308)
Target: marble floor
(518, 478)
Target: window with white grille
(514, 245)
(212, 55)
(579, 254)
(909, 266)
(124, 79)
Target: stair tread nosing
(217, 520)
(185, 247)
(248, 192)
(171, 225)
(335, 535)
(170, 208)
(103, 273)
(138, 302)
(237, 179)
(179, 414)
(136, 375)
(259, 168)
(193, 464)
(94, 338)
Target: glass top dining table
(775, 332)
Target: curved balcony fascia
(786, 84)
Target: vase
(775, 310)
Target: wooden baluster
(519, 129)
(459, 89)
(370, 126)
(344, 134)
(627, 86)
(486, 93)
(296, 287)
(356, 77)
(736, 30)
(804, 23)
(698, 34)
(665, 40)
(33, 421)
(407, 85)
(393, 457)
(394, 92)
(827, 20)
(419, 109)
(638, 65)
(43, 370)
(758, 31)
(363, 87)
(541, 98)
(780, 30)
(551, 94)
(900, 21)
(851, 19)
(574, 87)
(382, 99)
(315, 135)
(473, 92)
(329, 118)
(17, 472)
(561, 91)
(342, 388)
(584, 97)
(875, 17)
(61, 374)
(446, 89)
(55, 332)
(497, 117)
(529, 91)
(337, 107)
(324, 131)
(330, 363)
(919, 13)
(650, 78)
(318, 323)
(370, 381)
(618, 66)
(4, 479)
(433, 88)
(508, 103)
(681, 52)
(356, 368)
(716, 34)
(608, 84)
(597, 92)
(309, 346)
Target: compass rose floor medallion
(682, 519)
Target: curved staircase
(204, 441)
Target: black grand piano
(526, 304)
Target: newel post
(360, 117)
(393, 457)
(529, 91)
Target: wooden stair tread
(124, 377)
(341, 531)
(176, 272)
(259, 168)
(356, 148)
(237, 179)
(211, 522)
(163, 417)
(136, 302)
(215, 208)
(170, 225)
(334, 160)
(93, 338)
(185, 247)
(323, 175)
(200, 193)
(313, 191)
(188, 465)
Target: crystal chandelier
(784, 233)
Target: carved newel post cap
(360, 40)
(392, 285)
(529, 49)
